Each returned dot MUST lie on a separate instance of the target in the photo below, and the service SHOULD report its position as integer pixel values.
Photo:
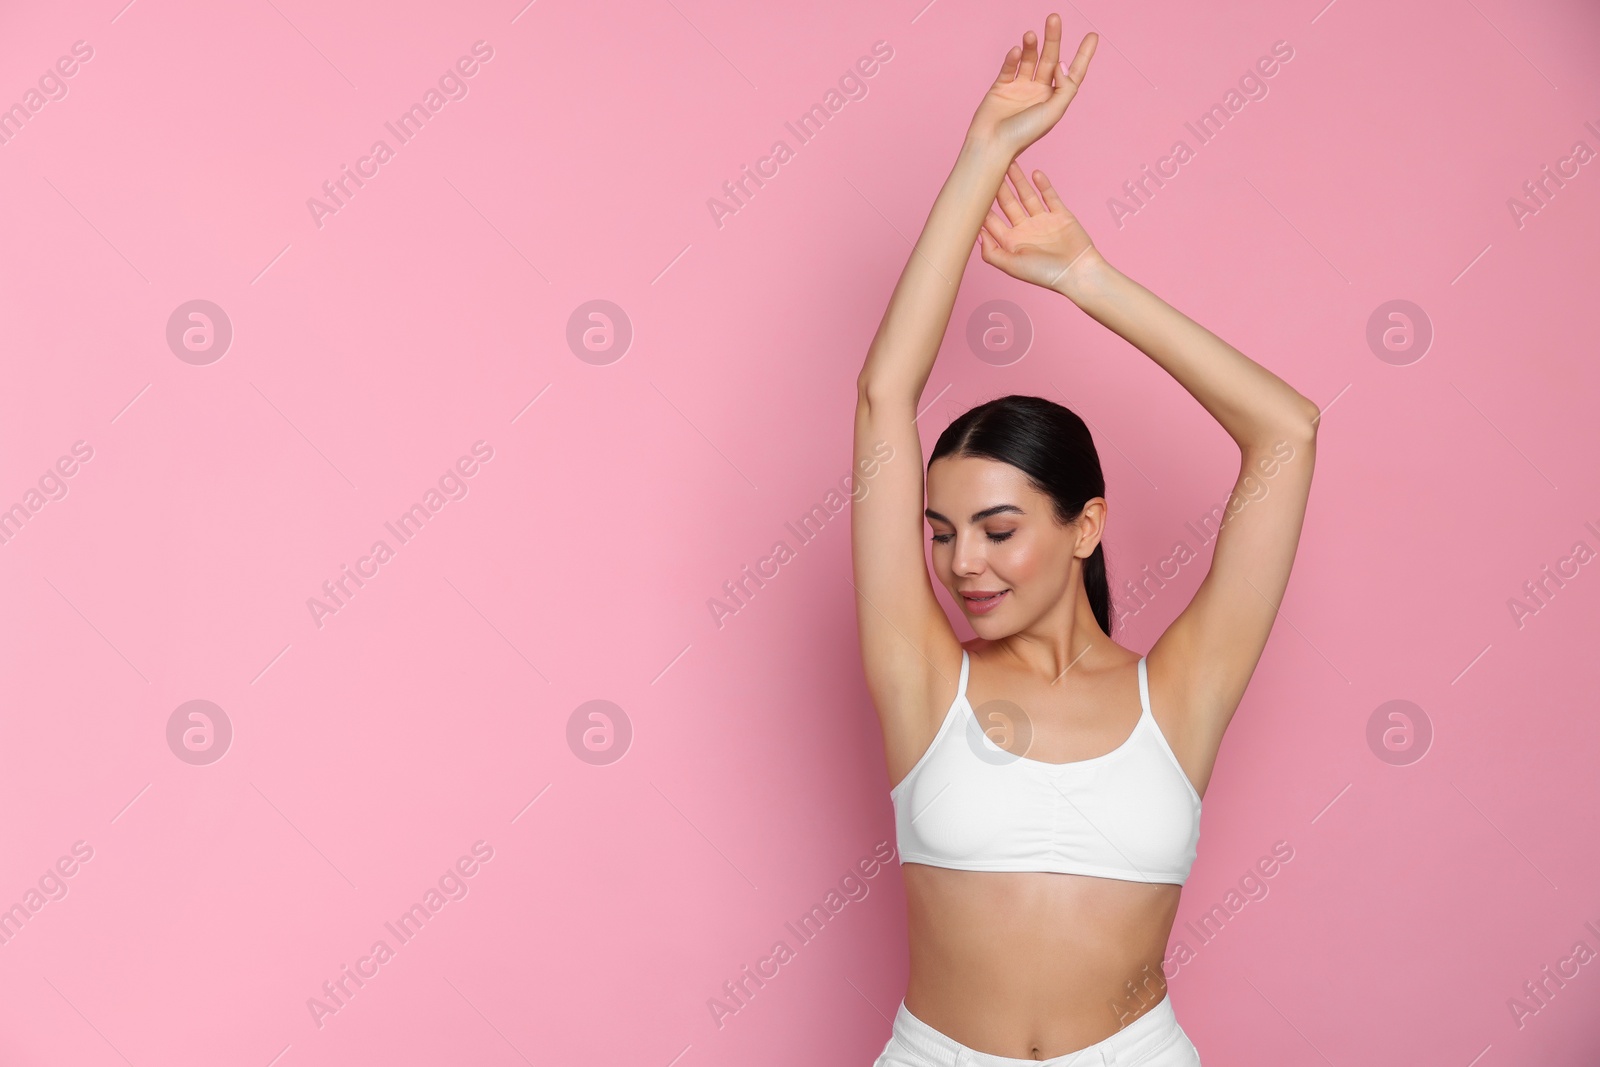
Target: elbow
(1303, 427)
(1312, 416)
(871, 391)
(1296, 428)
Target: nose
(968, 555)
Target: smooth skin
(1037, 964)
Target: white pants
(1154, 1039)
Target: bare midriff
(1033, 964)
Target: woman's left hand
(1038, 240)
(1031, 93)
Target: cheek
(1019, 563)
(1037, 562)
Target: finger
(1051, 197)
(1008, 67)
(992, 251)
(1030, 55)
(1025, 192)
(983, 242)
(1080, 64)
(1014, 211)
(1052, 48)
(995, 226)
(1068, 79)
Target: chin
(988, 625)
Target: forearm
(903, 350)
(1254, 406)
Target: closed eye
(995, 538)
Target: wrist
(1086, 276)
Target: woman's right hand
(1031, 93)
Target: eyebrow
(979, 516)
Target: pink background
(431, 711)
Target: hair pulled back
(1052, 447)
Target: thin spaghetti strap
(951, 715)
(1144, 690)
(1166, 746)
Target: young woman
(1043, 861)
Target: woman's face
(994, 533)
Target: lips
(982, 602)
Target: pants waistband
(1138, 1039)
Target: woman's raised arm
(1030, 94)
(909, 651)
(1201, 664)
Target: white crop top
(1131, 814)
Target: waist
(1034, 963)
(1154, 1029)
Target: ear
(1091, 526)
